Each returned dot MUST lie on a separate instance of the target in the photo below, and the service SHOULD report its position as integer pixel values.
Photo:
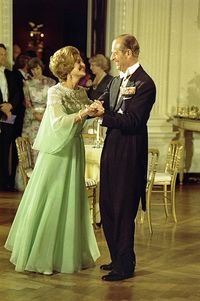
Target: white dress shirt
(125, 80)
(3, 84)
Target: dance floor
(168, 262)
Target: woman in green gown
(52, 229)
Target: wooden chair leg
(148, 202)
(173, 203)
(165, 201)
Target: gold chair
(165, 182)
(91, 187)
(153, 155)
(25, 156)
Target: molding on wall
(89, 28)
(6, 30)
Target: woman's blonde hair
(62, 62)
(101, 61)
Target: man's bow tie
(125, 75)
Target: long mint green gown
(52, 229)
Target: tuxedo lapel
(118, 104)
(133, 78)
(114, 103)
(115, 92)
(131, 83)
(1, 97)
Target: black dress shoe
(115, 276)
(107, 267)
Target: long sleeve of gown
(57, 127)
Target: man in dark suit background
(127, 102)
(9, 100)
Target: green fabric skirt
(52, 229)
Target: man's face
(119, 57)
(2, 56)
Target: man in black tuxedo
(9, 100)
(127, 102)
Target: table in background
(185, 124)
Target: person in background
(22, 75)
(36, 90)
(10, 93)
(16, 52)
(100, 67)
(31, 53)
(52, 230)
(127, 101)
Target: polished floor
(168, 262)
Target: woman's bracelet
(83, 111)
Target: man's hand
(90, 110)
(6, 108)
(97, 107)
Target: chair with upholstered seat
(165, 182)
(25, 156)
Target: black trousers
(6, 139)
(119, 228)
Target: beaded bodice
(72, 100)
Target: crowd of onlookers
(23, 97)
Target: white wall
(6, 23)
(168, 32)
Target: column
(6, 23)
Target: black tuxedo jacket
(125, 152)
(14, 91)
